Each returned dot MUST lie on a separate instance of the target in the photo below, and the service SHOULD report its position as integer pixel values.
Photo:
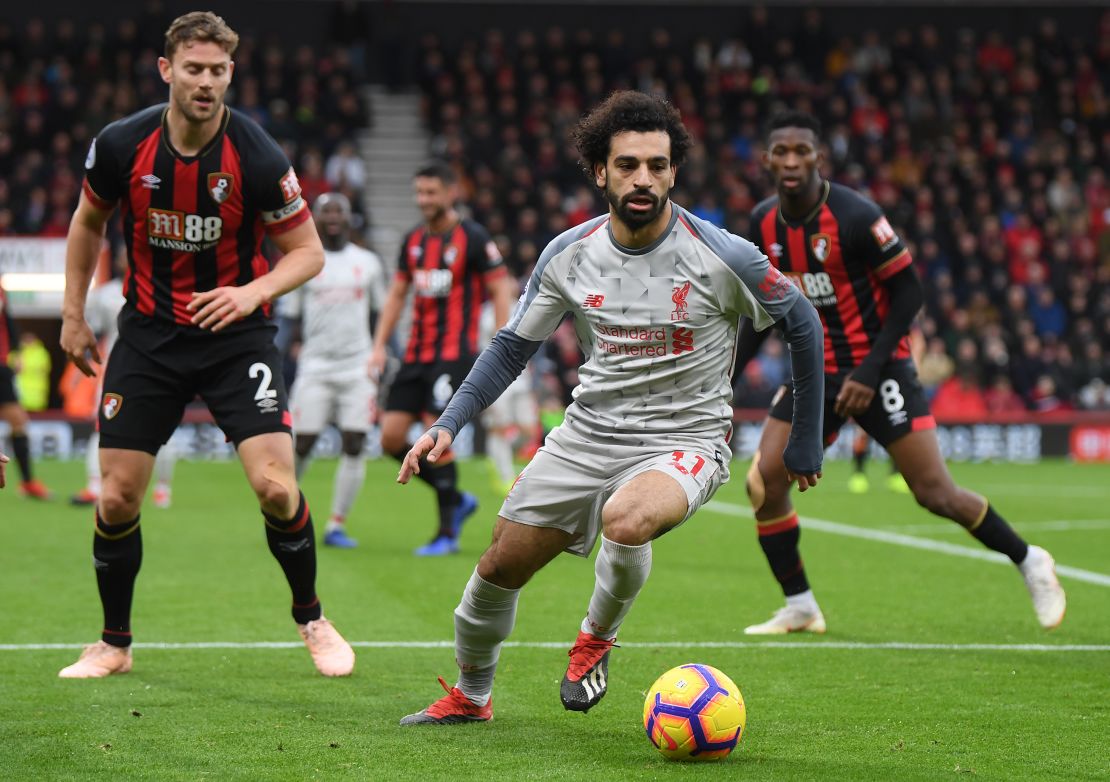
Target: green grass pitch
(843, 706)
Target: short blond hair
(200, 26)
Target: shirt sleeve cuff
(94, 199)
(894, 265)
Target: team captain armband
(290, 214)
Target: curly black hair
(628, 110)
(793, 119)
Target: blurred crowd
(988, 152)
(60, 84)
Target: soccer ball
(694, 712)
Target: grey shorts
(568, 482)
(344, 400)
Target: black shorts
(427, 388)
(899, 406)
(150, 378)
(8, 393)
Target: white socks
(500, 452)
(92, 463)
(348, 482)
(620, 573)
(164, 463)
(804, 601)
(483, 619)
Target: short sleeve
(104, 182)
(403, 271)
(485, 258)
(875, 241)
(277, 192)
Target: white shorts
(517, 406)
(569, 480)
(346, 401)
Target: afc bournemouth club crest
(219, 186)
(821, 244)
(111, 405)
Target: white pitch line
(850, 645)
(911, 541)
(1055, 525)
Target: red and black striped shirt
(838, 256)
(450, 272)
(192, 223)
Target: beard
(185, 105)
(630, 218)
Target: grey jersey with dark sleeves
(658, 327)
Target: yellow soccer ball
(694, 712)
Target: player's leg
(354, 410)
(768, 488)
(485, 616)
(12, 412)
(349, 477)
(857, 481)
(245, 392)
(142, 406)
(310, 402)
(164, 464)
(918, 458)
(91, 493)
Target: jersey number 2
(264, 391)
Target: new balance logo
(594, 300)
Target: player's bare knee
(119, 503)
(503, 573)
(392, 442)
(624, 523)
(353, 443)
(276, 490)
(935, 495)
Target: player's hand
(433, 448)
(805, 481)
(79, 344)
(3, 480)
(375, 366)
(854, 398)
(220, 307)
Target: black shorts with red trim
(427, 388)
(898, 408)
(156, 369)
(8, 394)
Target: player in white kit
(657, 295)
(101, 311)
(333, 382)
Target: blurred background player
(199, 186)
(512, 422)
(3, 477)
(452, 266)
(333, 320)
(11, 411)
(843, 254)
(102, 310)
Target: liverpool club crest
(678, 296)
(220, 185)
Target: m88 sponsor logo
(817, 287)
(169, 229)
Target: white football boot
(791, 619)
(1039, 571)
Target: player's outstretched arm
(86, 233)
(302, 259)
(804, 450)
